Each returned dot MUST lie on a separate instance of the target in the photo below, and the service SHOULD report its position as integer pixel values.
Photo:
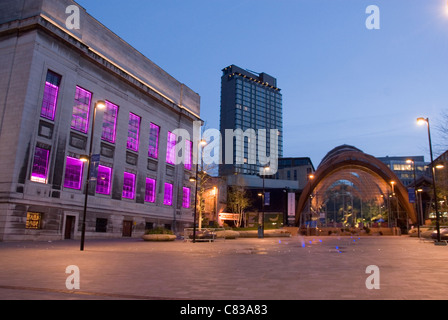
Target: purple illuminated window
(150, 192)
(186, 198)
(129, 185)
(39, 171)
(188, 154)
(133, 132)
(171, 148)
(73, 173)
(104, 179)
(50, 99)
(110, 122)
(168, 197)
(154, 141)
(81, 110)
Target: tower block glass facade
(249, 101)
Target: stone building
(51, 77)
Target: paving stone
(243, 269)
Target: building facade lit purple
(53, 79)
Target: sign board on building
(291, 204)
(228, 216)
(411, 192)
(267, 198)
(94, 167)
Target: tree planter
(277, 233)
(159, 237)
(227, 234)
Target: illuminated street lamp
(201, 145)
(215, 203)
(310, 177)
(88, 158)
(392, 183)
(261, 230)
(423, 121)
(416, 196)
(420, 191)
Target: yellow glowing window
(33, 220)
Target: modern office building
(252, 103)
(296, 169)
(51, 80)
(404, 169)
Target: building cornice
(45, 23)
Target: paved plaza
(297, 268)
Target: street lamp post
(98, 105)
(310, 177)
(416, 195)
(396, 216)
(261, 230)
(420, 201)
(201, 144)
(215, 204)
(422, 121)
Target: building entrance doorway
(69, 227)
(127, 229)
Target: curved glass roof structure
(357, 173)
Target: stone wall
(33, 40)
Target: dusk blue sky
(341, 83)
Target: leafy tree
(203, 185)
(238, 201)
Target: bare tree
(441, 144)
